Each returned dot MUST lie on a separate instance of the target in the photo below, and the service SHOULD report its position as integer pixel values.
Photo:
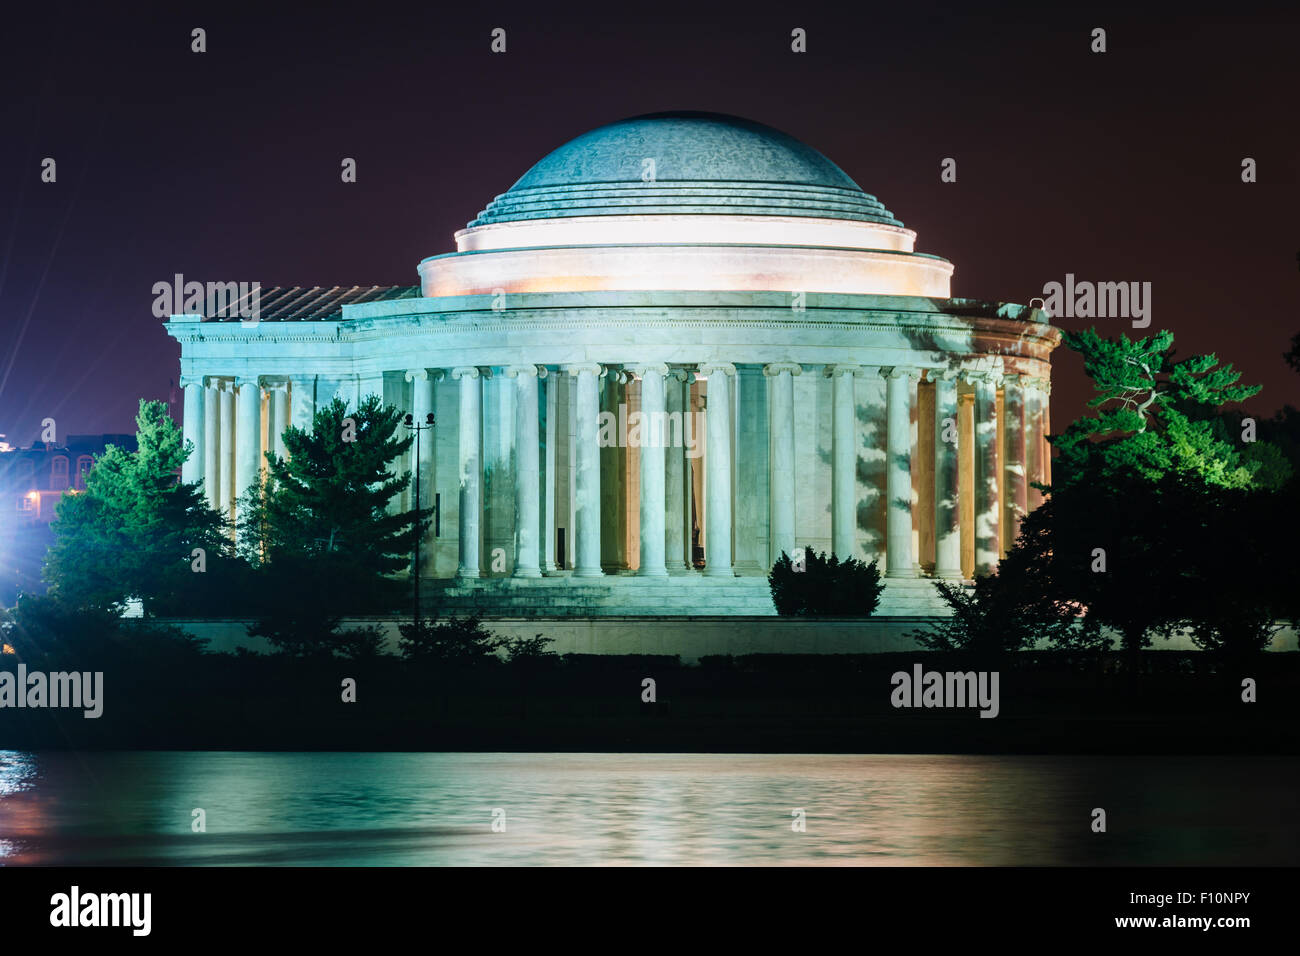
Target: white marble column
(302, 398)
(751, 468)
(898, 471)
(947, 491)
(212, 443)
(527, 471)
(570, 384)
(677, 535)
(227, 450)
(844, 460)
(1034, 440)
(471, 467)
(653, 439)
(987, 510)
(422, 386)
(279, 417)
(192, 421)
(717, 513)
(782, 455)
(587, 473)
(1045, 418)
(550, 461)
(1014, 470)
(248, 437)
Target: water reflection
(656, 809)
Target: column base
(527, 573)
(588, 573)
(947, 574)
(464, 573)
(718, 572)
(656, 573)
(903, 573)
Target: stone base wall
(688, 638)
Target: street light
(415, 572)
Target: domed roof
(702, 163)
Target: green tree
(1159, 416)
(319, 529)
(134, 530)
(1133, 531)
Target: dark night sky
(1122, 166)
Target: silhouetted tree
(320, 532)
(826, 587)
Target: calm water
(586, 809)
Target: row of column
(222, 418)
(662, 476)
(996, 515)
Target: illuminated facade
(678, 346)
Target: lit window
(84, 464)
(59, 473)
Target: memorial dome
(685, 163)
(685, 201)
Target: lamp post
(415, 570)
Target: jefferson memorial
(678, 346)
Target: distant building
(32, 482)
(34, 479)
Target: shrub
(826, 587)
(363, 643)
(459, 641)
(527, 649)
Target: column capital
(656, 368)
(529, 371)
(900, 371)
(1014, 380)
(466, 371)
(680, 374)
(706, 369)
(593, 368)
(942, 374)
(242, 380)
(773, 369)
(187, 380)
(412, 374)
(981, 376)
(831, 371)
(1034, 383)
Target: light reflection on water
(653, 809)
